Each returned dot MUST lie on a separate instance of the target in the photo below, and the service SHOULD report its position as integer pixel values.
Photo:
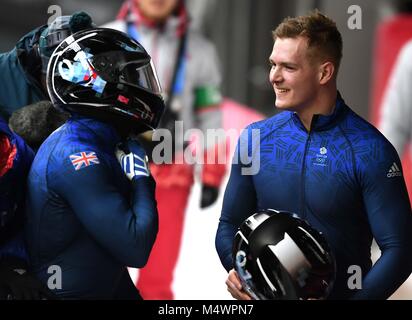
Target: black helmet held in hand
(105, 74)
(278, 256)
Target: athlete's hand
(234, 286)
(133, 159)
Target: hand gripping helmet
(105, 74)
(278, 256)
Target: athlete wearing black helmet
(91, 216)
(106, 74)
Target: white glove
(135, 163)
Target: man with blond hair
(325, 163)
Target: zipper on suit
(302, 178)
(303, 172)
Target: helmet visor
(127, 68)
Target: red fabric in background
(391, 35)
(156, 278)
(7, 155)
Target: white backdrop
(199, 274)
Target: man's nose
(275, 75)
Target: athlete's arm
(239, 203)
(126, 227)
(389, 213)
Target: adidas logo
(394, 171)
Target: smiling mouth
(282, 90)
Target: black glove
(17, 284)
(209, 195)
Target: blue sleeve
(389, 213)
(127, 228)
(239, 203)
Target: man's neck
(324, 105)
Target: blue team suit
(343, 177)
(85, 215)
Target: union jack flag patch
(84, 159)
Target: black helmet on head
(104, 73)
(279, 256)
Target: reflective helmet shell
(279, 256)
(106, 74)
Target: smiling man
(322, 161)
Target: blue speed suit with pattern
(86, 217)
(343, 177)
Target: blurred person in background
(91, 203)
(23, 69)
(35, 122)
(22, 74)
(189, 73)
(16, 280)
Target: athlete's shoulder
(70, 142)
(68, 138)
(369, 145)
(260, 132)
(361, 131)
(271, 124)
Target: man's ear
(326, 72)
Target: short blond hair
(322, 34)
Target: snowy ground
(199, 274)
